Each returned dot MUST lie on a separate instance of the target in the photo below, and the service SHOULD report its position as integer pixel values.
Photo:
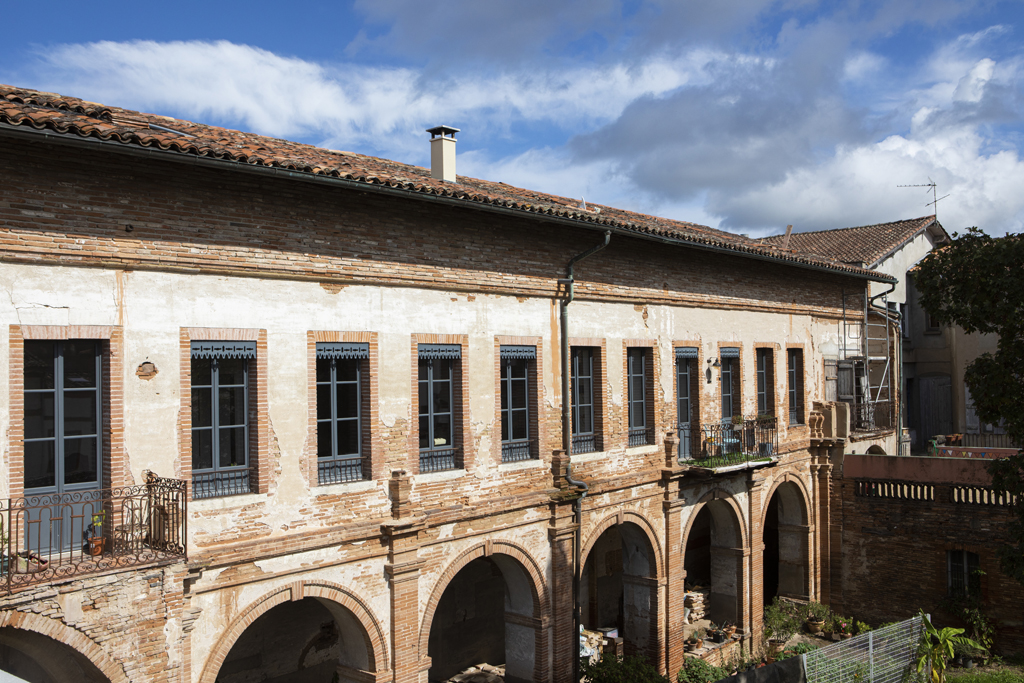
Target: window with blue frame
(437, 378)
(340, 377)
(517, 368)
(220, 418)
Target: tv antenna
(934, 203)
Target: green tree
(977, 282)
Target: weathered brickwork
(221, 255)
(895, 545)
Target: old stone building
(282, 413)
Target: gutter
(361, 186)
(577, 570)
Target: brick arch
(78, 641)
(637, 520)
(513, 550)
(729, 500)
(805, 496)
(376, 643)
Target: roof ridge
(70, 117)
(852, 227)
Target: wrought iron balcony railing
(641, 436)
(61, 535)
(732, 443)
(516, 451)
(584, 443)
(232, 481)
(439, 459)
(338, 470)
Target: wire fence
(885, 655)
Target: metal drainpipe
(577, 611)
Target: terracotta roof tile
(74, 117)
(865, 244)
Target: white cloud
(349, 105)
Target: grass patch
(985, 677)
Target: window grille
(636, 379)
(796, 386)
(684, 408)
(220, 418)
(515, 402)
(963, 576)
(583, 437)
(339, 411)
(437, 406)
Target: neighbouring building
(284, 413)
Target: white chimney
(442, 153)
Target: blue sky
(745, 114)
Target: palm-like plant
(936, 648)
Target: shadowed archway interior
(785, 539)
(485, 616)
(713, 561)
(618, 587)
(39, 659)
(305, 641)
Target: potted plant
(95, 531)
(935, 648)
(814, 614)
(5, 561)
(717, 635)
(696, 639)
(779, 625)
(845, 630)
(729, 628)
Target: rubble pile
(695, 600)
(481, 673)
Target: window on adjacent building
(931, 324)
(765, 381)
(637, 367)
(63, 414)
(437, 429)
(904, 321)
(686, 395)
(730, 381)
(220, 418)
(963, 575)
(516, 370)
(339, 411)
(796, 386)
(584, 439)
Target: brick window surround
(113, 463)
(737, 379)
(537, 423)
(465, 457)
(259, 479)
(767, 378)
(652, 415)
(372, 449)
(798, 410)
(697, 367)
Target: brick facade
(221, 255)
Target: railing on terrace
(724, 444)
(868, 416)
(62, 535)
(986, 441)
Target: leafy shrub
(861, 627)
(781, 620)
(634, 669)
(814, 611)
(698, 671)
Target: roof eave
(361, 186)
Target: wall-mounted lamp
(714, 364)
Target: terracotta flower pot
(96, 545)
(815, 627)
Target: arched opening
(618, 588)
(305, 641)
(786, 535)
(713, 562)
(876, 450)
(40, 659)
(485, 616)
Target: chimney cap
(442, 131)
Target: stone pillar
(565, 644)
(403, 573)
